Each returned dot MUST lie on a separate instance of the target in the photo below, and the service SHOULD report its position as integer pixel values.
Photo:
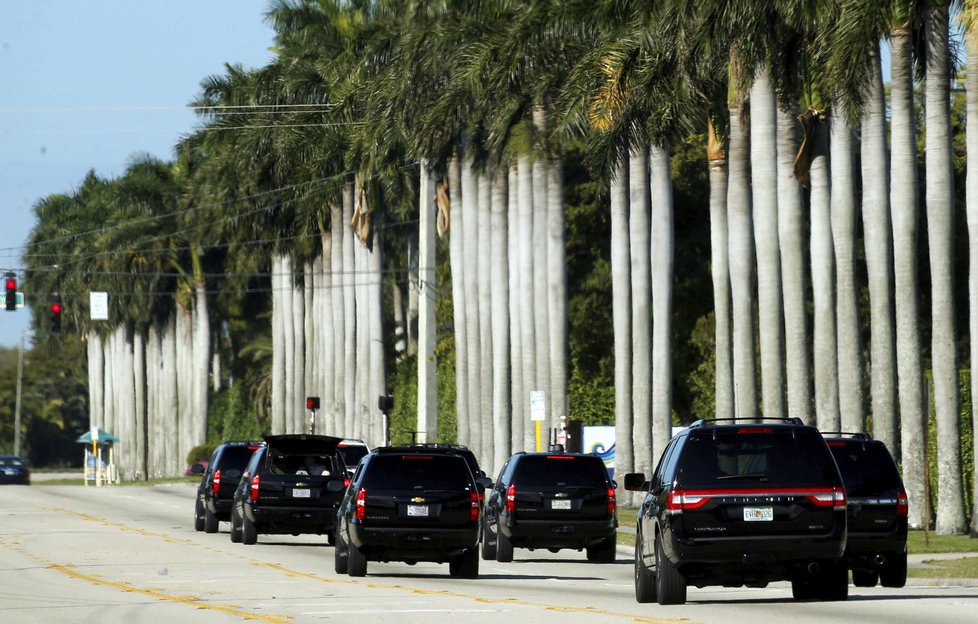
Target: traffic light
(312, 403)
(56, 314)
(10, 300)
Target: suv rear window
(769, 455)
(236, 455)
(867, 468)
(564, 470)
(423, 472)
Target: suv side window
(667, 466)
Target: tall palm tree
(971, 197)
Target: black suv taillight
(903, 505)
(361, 509)
(216, 484)
(612, 501)
(255, 486)
(511, 499)
(475, 506)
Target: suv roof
(440, 447)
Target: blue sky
(88, 84)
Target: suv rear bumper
(292, 519)
(864, 550)
(424, 544)
(220, 507)
(569, 533)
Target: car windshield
(560, 470)
(747, 456)
(11, 461)
(417, 472)
(352, 454)
(867, 468)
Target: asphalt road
(76, 554)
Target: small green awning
(101, 437)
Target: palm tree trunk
(485, 450)
(501, 379)
(741, 263)
(791, 219)
(940, 238)
(764, 186)
(524, 241)
(278, 349)
(639, 250)
(903, 201)
(327, 318)
(202, 361)
(470, 221)
(663, 242)
(879, 258)
(541, 318)
(375, 333)
(621, 315)
(971, 138)
(348, 274)
(719, 261)
(457, 260)
(427, 287)
(825, 352)
(298, 316)
(96, 380)
(139, 386)
(171, 408)
(520, 417)
(185, 382)
(851, 414)
(557, 292)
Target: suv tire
(249, 533)
(235, 527)
(644, 579)
(199, 516)
(340, 556)
(488, 546)
(465, 565)
(210, 522)
(504, 548)
(834, 583)
(670, 586)
(894, 570)
(604, 551)
(356, 562)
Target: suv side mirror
(635, 482)
(485, 482)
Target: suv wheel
(894, 570)
(465, 565)
(488, 543)
(356, 562)
(644, 579)
(249, 533)
(339, 555)
(604, 551)
(504, 548)
(210, 522)
(199, 516)
(235, 526)
(864, 578)
(834, 582)
(670, 586)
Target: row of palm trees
(297, 164)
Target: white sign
(538, 406)
(94, 434)
(99, 304)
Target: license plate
(300, 493)
(9, 471)
(420, 511)
(560, 504)
(758, 514)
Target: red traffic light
(56, 308)
(312, 402)
(11, 283)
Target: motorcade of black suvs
(219, 480)
(876, 548)
(553, 500)
(291, 485)
(410, 504)
(14, 470)
(352, 452)
(742, 504)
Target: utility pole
(20, 377)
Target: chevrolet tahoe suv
(219, 479)
(739, 503)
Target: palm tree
(971, 137)
(940, 237)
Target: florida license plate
(420, 511)
(758, 514)
(301, 493)
(560, 504)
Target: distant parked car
(13, 469)
(552, 500)
(352, 452)
(291, 485)
(219, 479)
(876, 548)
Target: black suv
(737, 504)
(215, 493)
(411, 504)
(291, 485)
(551, 500)
(876, 549)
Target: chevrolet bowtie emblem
(417, 499)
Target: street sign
(538, 407)
(99, 304)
